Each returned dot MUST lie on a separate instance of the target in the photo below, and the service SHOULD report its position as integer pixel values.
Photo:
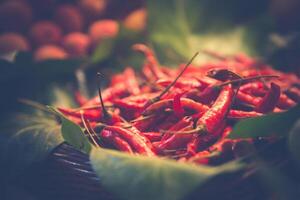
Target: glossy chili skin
(139, 142)
(116, 141)
(269, 101)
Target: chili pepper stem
(106, 115)
(155, 99)
(246, 79)
(200, 129)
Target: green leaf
(103, 50)
(26, 139)
(72, 133)
(138, 177)
(268, 125)
(179, 28)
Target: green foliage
(272, 124)
(138, 177)
(180, 28)
(72, 133)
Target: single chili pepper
(152, 62)
(201, 158)
(116, 141)
(139, 142)
(248, 99)
(184, 122)
(213, 117)
(177, 140)
(168, 103)
(145, 124)
(254, 88)
(212, 120)
(269, 101)
(285, 102)
(177, 106)
(238, 114)
(131, 81)
(93, 115)
(117, 79)
(187, 83)
(153, 136)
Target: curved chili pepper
(153, 136)
(184, 122)
(285, 102)
(254, 88)
(187, 83)
(177, 140)
(131, 81)
(238, 114)
(139, 142)
(213, 117)
(116, 141)
(177, 106)
(168, 103)
(152, 62)
(93, 115)
(248, 99)
(269, 101)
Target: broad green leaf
(72, 133)
(138, 177)
(103, 50)
(27, 139)
(179, 28)
(268, 125)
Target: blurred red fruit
(10, 42)
(48, 52)
(76, 44)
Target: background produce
(75, 39)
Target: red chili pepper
(184, 122)
(152, 62)
(131, 81)
(248, 99)
(254, 88)
(177, 140)
(238, 114)
(93, 115)
(201, 158)
(177, 106)
(116, 141)
(213, 118)
(186, 83)
(140, 143)
(285, 102)
(269, 101)
(168, 103)
(152, 136)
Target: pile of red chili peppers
(184, 113)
